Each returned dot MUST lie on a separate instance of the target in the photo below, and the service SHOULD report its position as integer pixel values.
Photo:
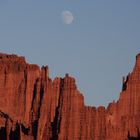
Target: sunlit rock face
(34, 107)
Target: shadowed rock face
(33, 107)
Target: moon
(67, 17)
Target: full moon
(67, 17)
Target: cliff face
(33, 107)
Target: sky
(97, 47)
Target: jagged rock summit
(33, 107)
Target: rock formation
(34, 107)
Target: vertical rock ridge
(34, 107)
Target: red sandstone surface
(34, 107)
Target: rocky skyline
(34, 107)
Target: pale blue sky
(98, 48)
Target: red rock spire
(33, 107)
